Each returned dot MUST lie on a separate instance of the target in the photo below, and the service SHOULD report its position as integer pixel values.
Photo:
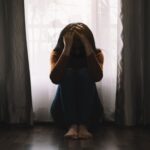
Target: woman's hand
(81, 33)
(68, 40)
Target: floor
(49, 137)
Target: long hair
(88, 33)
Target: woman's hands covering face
(68, 40)
(80, 31)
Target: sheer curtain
(44, 21)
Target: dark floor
(48, 137)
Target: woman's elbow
(54, 79)
(98, 77)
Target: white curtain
(44, 21)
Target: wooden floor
(48, 137)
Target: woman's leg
(56, 109)
(69, 97)
(87, 103)
(86, 99)
(76, 95)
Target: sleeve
(58, 62)
(95, 65)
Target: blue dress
(76, 100)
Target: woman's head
(78, 46)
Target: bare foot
(84, 133)
(72, 132)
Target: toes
(85, 135)
(72, 135)
(75, 137)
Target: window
(44, 21)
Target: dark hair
(88, 33)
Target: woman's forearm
(94, 67)
(58, 68)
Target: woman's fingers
(72, 28)
(69, 34)
(80, 28)
(82, 36)
(78, 32)
(68, 40)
